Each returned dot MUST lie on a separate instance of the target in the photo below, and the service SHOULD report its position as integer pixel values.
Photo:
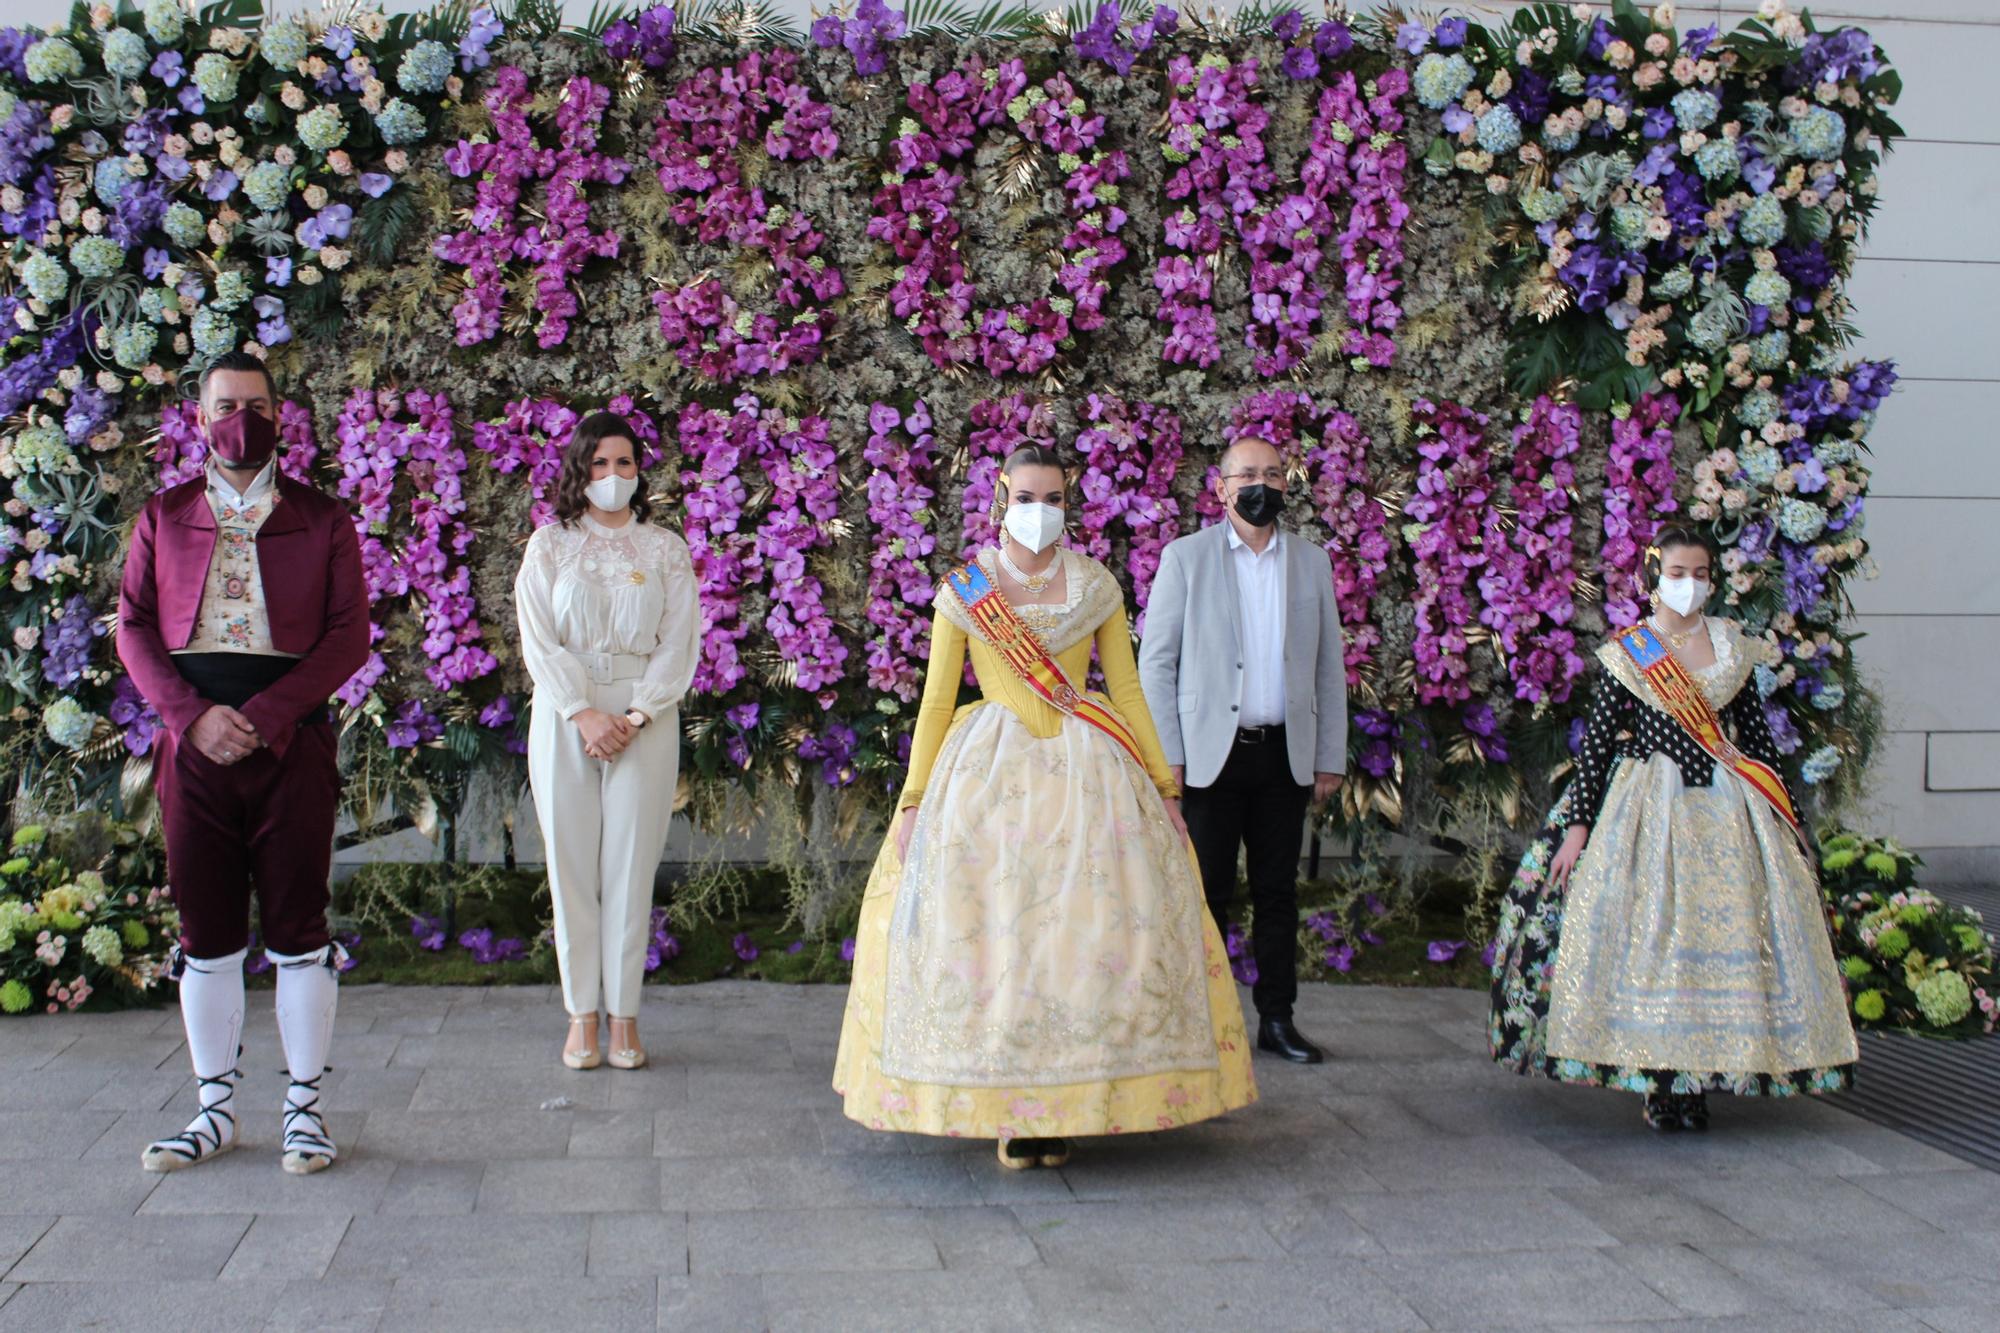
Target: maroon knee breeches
(262, 823)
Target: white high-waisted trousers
(604, 829)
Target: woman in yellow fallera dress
(1034, 961)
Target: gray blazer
(1190, 662)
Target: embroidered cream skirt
(1044, 964)
(1693, 937)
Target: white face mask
(1684, 595)
(611, 493)
(1035, 526)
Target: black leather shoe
(1278, 1036)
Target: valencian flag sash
(1020, 649)
(1681, 697)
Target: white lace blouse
(588, 591)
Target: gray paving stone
(711, 1305)
(611, 1134)
(1971, 1319)
(1788, 1280)
(472, 1136)
(729, 1090)
(1869, 1321)
(1723, 1153)
(1331, 1295)
(817, 1240)
(1529, 1288)
(47, 1135)
(482, 1245)
(1803, 1208)
(340, 1305)
(293, 1248)
(981, 1237)
(818, 1181)
(638, 1245)
(1468, 1163)
(603, 1305)
(1963, 1198)
(1695, 1283)
(1106, 1235)
(65, 1091)
(895, 1302)
(432, 1189)
(484, 1088)
(18, 1235)
(838, 1134)
(1895, 1153)
(1650, 1215)
(1472, 1221)
(570, 1185)
(1315, 1226)
(1154, 1166)
(1376, 1116)
(1953, 1269)
(33, 1188)
(250, 1180)
(686, 1132)
(142, 1248)
(656, 1087)
(128, 1304)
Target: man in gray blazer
(1243, 671)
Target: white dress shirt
(1260, 591)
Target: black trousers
(1255, 804)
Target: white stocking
(212, 1013)
(307, 991)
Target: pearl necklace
(1034, 583)
(1675, 642)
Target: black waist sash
(232, 678)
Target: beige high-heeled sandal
(590, 1057)
(626, 1057)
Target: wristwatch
(636, 718)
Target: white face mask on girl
(1684, 595)
(611, 493)
(1036, 526)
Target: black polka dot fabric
(1622, 726)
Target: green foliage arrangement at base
(1913, 963)
(84, 918)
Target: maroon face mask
(243, 439)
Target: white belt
(607, 667)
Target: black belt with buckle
(1260, 735)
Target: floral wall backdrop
(1507, 298)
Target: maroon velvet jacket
(310, 563)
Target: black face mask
(1259, 505)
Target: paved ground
(1406, 1185)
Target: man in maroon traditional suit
(242, 609)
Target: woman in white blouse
(610, 630)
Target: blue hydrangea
(1628, 225)
(1541, 205)
(185, 225)
(1832, 694)
(1718, 160)
(1441, 80)
(400, 123)
(45, 277)
(232, 289)
(321, 129)
(1499, 129)
(96, 256)
(155, 302)
(1836, 453)
(1758, 409)
(1769, 351)
(1710, 328)
(268, 186)
(1819, 134)
(1800, 520)
(1675, 283)
(284, 45)
(1560, 140)
(68, 723)
(1767, 680)
(132, 345)
(1763, 223)
(213, 332)
(1760, 463)
(164, 21)
(1769, 288)
(1820, 765)
(215, 75)
(425, 68)
(52, 60)
(1695, 109)
(43, 449)
(125, 53)
(108, 179)
(1570, 82)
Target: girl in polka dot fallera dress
(1664, 933)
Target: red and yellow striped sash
(1680, 695)
(1020, 649)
